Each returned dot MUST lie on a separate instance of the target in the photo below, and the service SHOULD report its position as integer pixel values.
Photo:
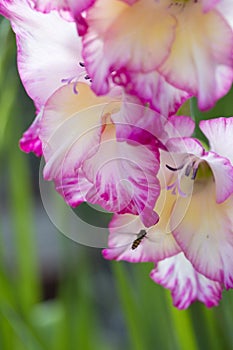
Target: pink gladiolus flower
(195, 208)
(89, 159)
(189, 43)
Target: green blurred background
(58, 295)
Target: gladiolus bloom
(189, 43)
(195, 208)
(88, 161)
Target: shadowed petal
(201, 58)
(205, 233)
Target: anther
(194, 173)
(188, 170)
(174, 169)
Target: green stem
(184, 330)
(129, 306)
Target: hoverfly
(138, 240)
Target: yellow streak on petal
(161, 232)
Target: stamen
(74, 80)
(193, 168)
(194, 173)
(172, 187)
(174, 169)
(176, 187)
(75, 88)
(188, 170)
(70, 81)
(67, 80)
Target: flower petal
(205, 234)
(186, 284)
(152, 88)
(219, 132)
(106, 49)
(124, 178)
(148, 126)
(47, 6)
(179, 126)
(201, 58)
(70, 129)
(30, 141)
(225, 8)
(130, 2)
(186, 145)
(73, 188)
(139, 123)
(76, 7)
(49, 49)
(223, 175)
(208, 5)
(156, 245)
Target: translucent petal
(205, 233)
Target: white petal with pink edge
(70, 129)
(219, 132)
(201, 58)
(157, 244)
(49, 49)
(152, 128)
(185, 145)
(76, 7)
(205, 234)
(30, 141)
(186, 284)
(139, 123)
(223, 175)
(110, 23)
(73, 188)
(179, 126)
(49, 5)
(124, 177)
(152, 88)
